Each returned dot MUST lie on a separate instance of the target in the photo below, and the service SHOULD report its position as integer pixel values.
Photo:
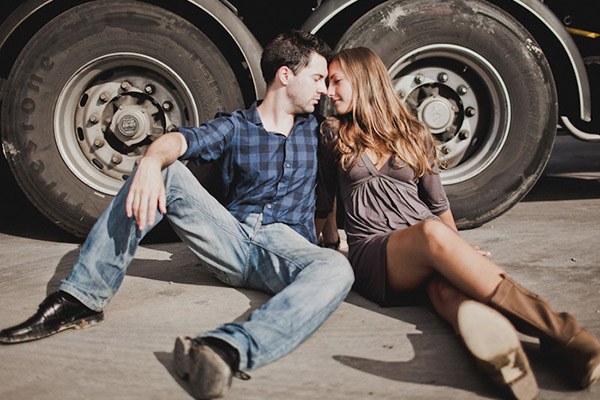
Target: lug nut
(445, 150)
(442, 77)
(167, 106)
(463, 134)
(149, 89)
(470, 111)
(125, 85)
(418, 79)
(98, 143)
(93, 119)
(116, 159)
(103, 97)
(462, 90)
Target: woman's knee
(434, 235)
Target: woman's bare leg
(446, 299)
(415, 253)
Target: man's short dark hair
(293, 50)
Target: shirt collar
(251, 114)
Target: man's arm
(147, 191)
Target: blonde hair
(379, 121)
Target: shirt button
(269, 206)
(288, 165)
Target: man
(261, 237)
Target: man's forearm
(167, 148)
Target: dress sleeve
(432, 193)
(327, 179)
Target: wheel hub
(437, 113)
(132, 123)
(444, 102)
(127, 125)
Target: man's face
(306, 87)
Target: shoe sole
(181, 361)
(79, 324)
(494, 342)
(208, 375)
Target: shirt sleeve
(208, 141)
(432, 193)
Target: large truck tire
(92, 89)
(478, 79)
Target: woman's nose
(330, 91)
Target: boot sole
(591, 378)
(494, 342)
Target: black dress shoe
(58, 312)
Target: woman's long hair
(380, 121)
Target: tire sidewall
(56, 53)
(528, 79)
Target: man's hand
(147, 193)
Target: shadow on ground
(442, 362)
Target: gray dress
(377, 203)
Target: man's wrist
(150, 159)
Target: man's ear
(283, 75)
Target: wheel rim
(111, 109)
(463, 100)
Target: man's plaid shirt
(262, 172)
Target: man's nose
(322, 89)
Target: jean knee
(340, 270)
(175, 170)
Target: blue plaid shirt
(262, 172)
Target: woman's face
(339, 89)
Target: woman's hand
(484, 253)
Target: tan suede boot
(494, 343)
(558, 332)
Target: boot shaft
(531, 314)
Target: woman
(401, 232)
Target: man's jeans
(309, 282)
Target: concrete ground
(549, 242)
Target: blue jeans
(308, 282)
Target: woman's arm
(448, 219)
(327, 185)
